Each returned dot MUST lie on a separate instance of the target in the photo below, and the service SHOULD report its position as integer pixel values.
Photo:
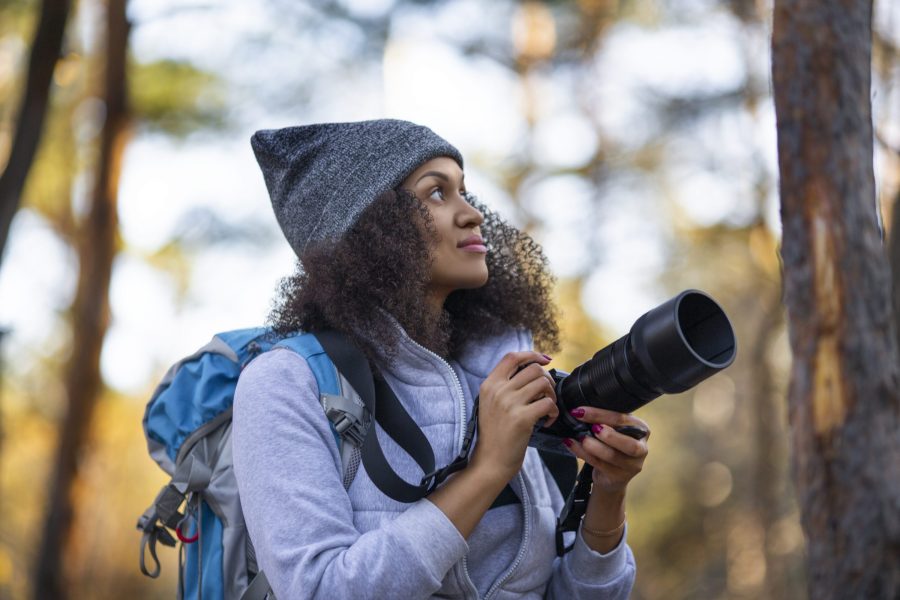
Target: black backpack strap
(351, 363)
(506, 497)
(390, 414)
(259, 589)
(397, 423)
(563, 468)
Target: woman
(443, 298)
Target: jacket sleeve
(584, 573)
(297, 512)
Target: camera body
(565, 426)
(669, 349)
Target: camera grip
(632, 432)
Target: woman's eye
(438, 194)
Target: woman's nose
(470, 216)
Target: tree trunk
(97, 245)
(45, 50)
(844, 405)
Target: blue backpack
(187, 424)
(188, 429)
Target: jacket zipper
(468, 579)
(459, 394)
(526, 509)
(526, 514)
(472, 592)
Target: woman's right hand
(511, 401)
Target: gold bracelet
(609, 533)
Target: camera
(668, 350)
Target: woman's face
(459, 252)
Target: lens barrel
(670, 349)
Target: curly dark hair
(383, 263)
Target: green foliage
(15, 8)
(48, 189)
(176, 98)
(174, 260)
(16, 25)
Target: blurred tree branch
(97, 245)
(45, 51)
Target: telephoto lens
(669, 349)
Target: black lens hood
(681, 342)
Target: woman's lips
(473, 243)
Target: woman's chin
(479, 281)
(469, 280)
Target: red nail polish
(577, 412)
(547, 357)
(597, 429)
(567, 442)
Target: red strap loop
(184, 539)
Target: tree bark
(97, 246)
(894, 259)
(844, 405)
(45, 51)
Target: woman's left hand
(616, 457)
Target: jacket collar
(478, 357)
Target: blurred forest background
(635, 139)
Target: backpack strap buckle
(348, 418)
(166, 506)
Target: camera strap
(387, 410)
(574, 508)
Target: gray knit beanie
(321, 177)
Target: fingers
(614, 464)
(619, 441)
(612, 469)
(590, 414)
(612, 419)
(529, 383)
(606, 446)
(535, 401)
(509, 374)
(508, 365)
(528, 373)
(544, 407)
(536, 388)
(608, 453)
